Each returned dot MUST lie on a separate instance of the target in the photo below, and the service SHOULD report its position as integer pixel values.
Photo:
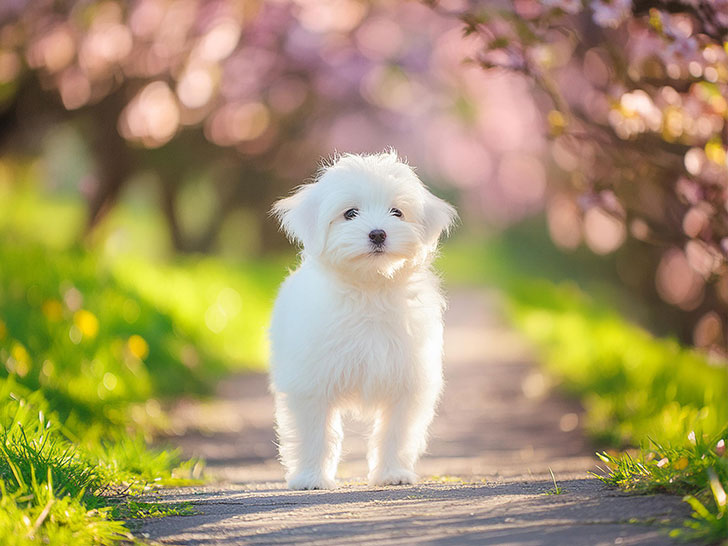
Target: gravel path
(485, 479)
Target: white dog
(358, 326)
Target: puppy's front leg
(309, 436)
(398, 440)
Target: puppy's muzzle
(377, 236)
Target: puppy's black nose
(377, 236)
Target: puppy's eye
(395, 212)
(351, 214)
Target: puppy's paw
(396, 476)
(310, 480)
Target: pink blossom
(610, 13)
(569, 6)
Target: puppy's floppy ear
(298, 215)
(438, 217)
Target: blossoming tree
(634, 99)
(250, 94)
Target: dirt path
(485, 479)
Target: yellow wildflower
(138, 346)
(86, 322)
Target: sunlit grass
(634, 386)
(33, 514)
(709, 519)
(224, 305)
(698, 470)
(142, 510)
(86, 362)
(557, 489)
(90, 344)
(60, 490)
(57, 222)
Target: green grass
(143, 510)
(634, 386)
(105, 339)
(224, 305)
(92, 344)
(699, 471)
(557, 489)
(33, 515)
(89, 351)
(637, 390)
(94, 347)
(59, 490)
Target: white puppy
(358, 326)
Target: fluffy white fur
(358, 327)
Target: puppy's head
(366, 214)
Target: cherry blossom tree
(633, 96)
(253, 93)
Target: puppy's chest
(379, 335)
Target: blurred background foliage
(634, 96)
(143, 142)
(605, 117)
